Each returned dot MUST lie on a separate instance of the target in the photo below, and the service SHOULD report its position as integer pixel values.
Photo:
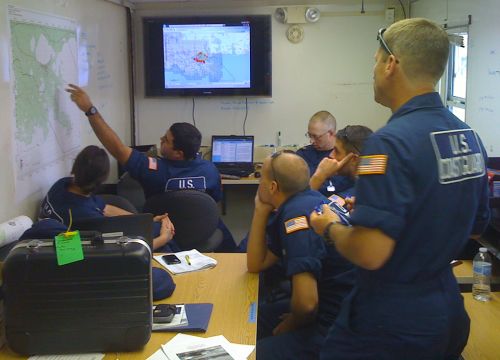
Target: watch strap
(91, 111)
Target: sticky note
(68, 248)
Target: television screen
(200, 56)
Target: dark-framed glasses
(315, 137)
(380, 38)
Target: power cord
(246, 115)
(194, 121)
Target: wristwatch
(91, 111)
(326, 232)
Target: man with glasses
(421, 191)
(320, 277)
(344, 158)
(321, 133)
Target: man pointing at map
(179, 168)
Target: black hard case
(100, 304)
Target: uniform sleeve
(302, 250)
(383, 200)
(483, 211)
(137, 164)
(215, 188)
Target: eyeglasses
(344, 136)
(315, 137)
(273, 157)
(380, 38)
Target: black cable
(402, 7)
(246, 115)
(194, 121)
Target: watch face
(91, 111)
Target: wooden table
(228, 286)
(484, 338)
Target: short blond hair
(421, 46)
(326, 118)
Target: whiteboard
(101, 29)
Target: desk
(230, 313)
(483, 341)
(246, 181)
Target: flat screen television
(208, 56)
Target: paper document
(183, 347)
(191, 260)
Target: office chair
(118, 201)
(195, 216)
(131, 190)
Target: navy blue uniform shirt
(302, 250)
(158, 175)
(313, 157)
(59, 200)
(433, 193)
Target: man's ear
(273, 187)
(390, 66)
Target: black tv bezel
(260, 56)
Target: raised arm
(327, 168)
(104, 133)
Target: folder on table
(198, 316)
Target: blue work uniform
(58, 201)
(301, 250)
(422, 182)
(334, 185)
(158, 175)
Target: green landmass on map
(36, 84)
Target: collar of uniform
(429, 100)
(182, 163)
(290, 199)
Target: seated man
(321, 132)
(72, 197)
(320, 278)
(343, 159)
(178, 169)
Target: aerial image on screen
(206, 56)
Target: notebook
(198, 317)
(190, 260)
(124, 225)
(233, 154)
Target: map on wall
(46, 133)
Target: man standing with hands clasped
(421, 191)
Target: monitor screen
(208, 55)
(232, 149)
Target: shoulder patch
(296, 224)
(372, 165)
(153, 163)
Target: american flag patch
(295, 224)
(153, 163)
(372, 164)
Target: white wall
(330, 70)
(483, 69)
(105, 25)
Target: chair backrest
(194, 214)
(118, 201)
(132, 190)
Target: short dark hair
(187, 138)
(353, 137)
(91, 168)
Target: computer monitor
(232, 150)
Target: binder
(198, 316)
